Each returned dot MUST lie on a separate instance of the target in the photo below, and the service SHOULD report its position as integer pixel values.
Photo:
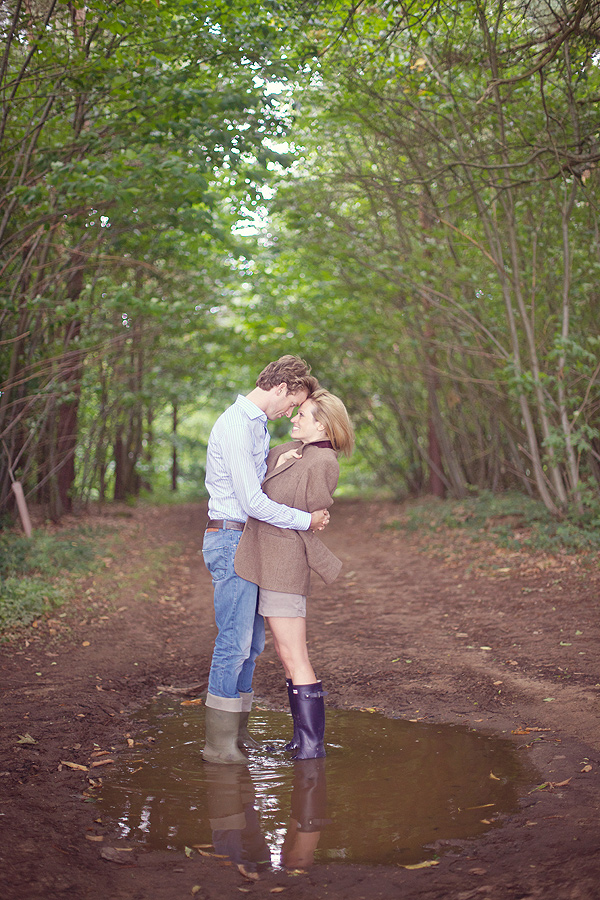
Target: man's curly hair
(291, 371)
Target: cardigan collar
(327, 444)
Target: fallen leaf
(130, 742)
(101, 762)
(115, 854)
(26, 739)
(540, 787)
(72, 765)
(94, 837)
(251, 876)
(195, 702)
(86, 644)
(494, 777)
(188, 851)
(587, 768)
(277, 890)
(528, 730)
(550, 785)
(423, 865)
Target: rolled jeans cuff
(235, 822)
(229, 704)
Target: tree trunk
(71, 370)
(174, 461)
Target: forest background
(403, 193)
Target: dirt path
(510, 650)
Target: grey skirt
(278, 603)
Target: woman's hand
(289, 454)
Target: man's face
(284, 404)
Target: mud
(503, 643)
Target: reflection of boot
(245, 739)
(308, 814)
(224, 796)
(233, 819)
(309, 795)
(311, 720)
(222, 730)
(294, 743)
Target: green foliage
(22, 600)
(47, 553)
(33, 570)
(433, 253)
(135, 136)
(510, 520)
(431, 248)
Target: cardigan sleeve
(320, 483)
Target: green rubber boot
(222, 731)
(245, 739)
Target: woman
(302, 473)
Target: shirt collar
(250, 408)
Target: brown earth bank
(504, 643)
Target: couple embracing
(260, 546)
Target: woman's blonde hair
(331, 413)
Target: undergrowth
(34, 571)
(511, 520)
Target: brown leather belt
(217, 524)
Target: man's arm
(238, 456)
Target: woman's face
(305, 427)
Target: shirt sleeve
(238, 456)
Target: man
(235, 467)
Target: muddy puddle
(390, 792)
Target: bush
(24, 599)
(31, 570)
(511, 520)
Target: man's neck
(259, 397)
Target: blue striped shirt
(236, 463)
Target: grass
(510, 520)
(34, 572)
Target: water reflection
(233, 817)
(308, 814)
(389, 792)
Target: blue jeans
(241, 630)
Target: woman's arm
(321, 481)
